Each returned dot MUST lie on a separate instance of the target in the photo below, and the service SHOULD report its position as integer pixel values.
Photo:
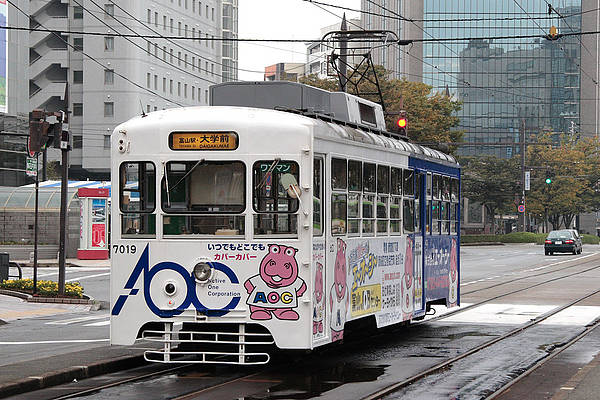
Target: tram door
(319, 283)
(421, 226)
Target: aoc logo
(142, 269)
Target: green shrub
(44, 288)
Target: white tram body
(237, 227)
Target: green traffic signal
(548, 181)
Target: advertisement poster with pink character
(437, 257)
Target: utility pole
(343, 55)
(64, 189)
(523, 149)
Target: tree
(570, 163)
(431, 116)
(491, 181)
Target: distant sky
(282, 19)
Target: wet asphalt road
(371, 361)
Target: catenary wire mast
(350, 73)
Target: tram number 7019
(124, 249)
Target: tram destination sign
(203, 141)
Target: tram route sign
(203, 141)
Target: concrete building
(106, 79)
(14, 99)
(405, 19)
(317, 52)
(284, 72)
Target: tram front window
(137, 187)
(276, 190)
(204, 197)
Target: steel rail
(436, 368)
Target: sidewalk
(24, 376)
(69, 262)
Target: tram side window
(276, 189)
(396, 201)
(408, 215)
(436, 187)
(454, 206)
(409, 181)
(339, 175)
(204, 197)
(137, 186)
(445, 188)
(454, 190)
(318, 197)
(368, 200)
(354, 196)
(435, 217)
(445, 218)
(338, 213)
(383, 190)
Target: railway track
(264, 374)
(447, 363)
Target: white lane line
(76, 320)
(56, 341)
(531, 269)
(101, 323)
(87, 277)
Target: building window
(179, 89)
(109, 43)
(77, 76)
(149, 15)
(77, 109)
(206, 96)
(109, 10)
(109, 76)
(213, 13)
(179, 58)
(171, 86)
(155, 82)
(109, 109)
(185, 90)
(78, 44)
(164, 23)
(164, 86)
(107, 141)
(78, 141)
(156, 19)
(193, 93)
(148, 79)
(171, 24)
(179, 28)
(77, 12)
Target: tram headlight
(170, 288)
(202, 272)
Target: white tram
(274, 217)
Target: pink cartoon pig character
(453, 275)
(275, 290)
(318, 301)
(338, 296)
(408, 289)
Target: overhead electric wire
(567, 23)
(145, 50)
(92, 58)
(559, 46)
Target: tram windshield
(210, 192)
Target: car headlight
(202, 272)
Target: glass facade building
(508, 86)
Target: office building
(14, 101)
(106, 79)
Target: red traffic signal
(401, 123)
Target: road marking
(76, 320)
(531, 269)
(87, 277)
(523, 313)
(57, 341)
(101, 323)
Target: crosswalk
(88, 320)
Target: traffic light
(38, 130)
(548, 177)
(402, 123)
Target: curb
(95, 304)
(68, 374)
